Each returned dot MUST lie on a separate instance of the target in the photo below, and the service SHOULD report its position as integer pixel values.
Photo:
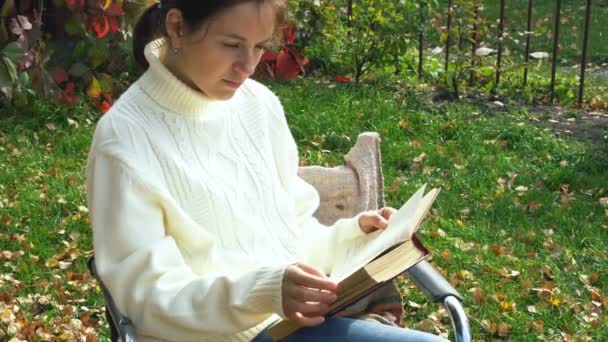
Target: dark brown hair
(151, 23)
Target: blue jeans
(337, 329)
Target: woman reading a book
(202, 229)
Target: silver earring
(175, 51)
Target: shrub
(59, 49)
(371, 33)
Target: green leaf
(6, 84)
(11, 68)
(13, 51)
(78, 70)
(24, 79)
(20, 98)
(80, 50)
(74, 26)
(7, 91)
(98, 54)
(106, 83)
(5, 77)
(3, 31)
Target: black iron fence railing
(475, 38)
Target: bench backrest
(348, 189)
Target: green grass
(477, 227)
(571, 28)
(467, 152)
(42, 160)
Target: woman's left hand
(374, 220)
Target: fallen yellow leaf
(506, 306)
(94, 90)
(555, 301)
(106, 4)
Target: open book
(369, 262)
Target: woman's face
(220, 55)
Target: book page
(401, 226)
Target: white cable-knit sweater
(197, 208)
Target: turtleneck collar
(167, 90)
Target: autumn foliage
(79, 47)
(288, 62)
(65, 49)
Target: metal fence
(475, 36)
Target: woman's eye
(233, 46)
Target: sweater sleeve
(146, 272)
(322, 242)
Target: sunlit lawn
(518, 228)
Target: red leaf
(100, 25)
(289, 34)
(269, 56)
(59, 75)
(104, 106)
(75, 4)
(342, 79)
(72, 99)
(298, 56)
(114, 26)
(287, 68)
(69, 88)
(115, 10)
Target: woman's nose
(247, 63)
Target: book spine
(419, 244)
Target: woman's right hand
(307, 293)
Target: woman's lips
(233, 84)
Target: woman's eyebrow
(241, 38)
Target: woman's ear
(175, 25)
